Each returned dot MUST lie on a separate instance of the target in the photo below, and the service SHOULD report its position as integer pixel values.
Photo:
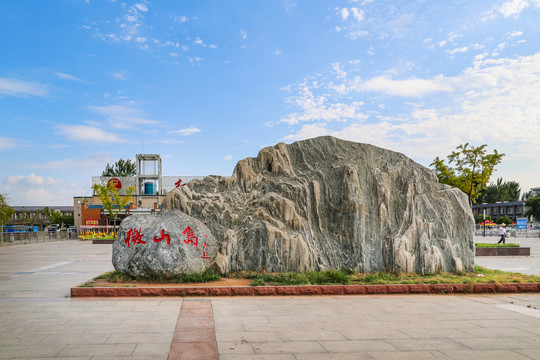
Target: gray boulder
(326, 203)
(163, 245)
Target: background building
(150, 189)
(35, 215)
(512, 209)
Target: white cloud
(30, 180)
(309, 131)
(121, 75)
(7, 143)
(512, 8)
(344, 13)
(243, 34)
(35, 189)
(123, 116)
(277, 52)
(228, 157)
(357, 14)
(65, 76)
(198, 41)
(494, 101)
(185, 132)
(93, 161)
(405, 88)
(141, 7)
(180, 19)
(88, 133)
(458, 50)
(19, 88)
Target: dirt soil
(221, 282)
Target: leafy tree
(30, 218)
(526, 195)
(120, 168)
(500, 191)
(534, 207)
(52, 215)
(472, 169)
(6, 212)
(479, 218)
(112, 201)
(66, 220)
(504, 219)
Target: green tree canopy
(500, 191)
(112, 201)
(534, 207)
(6, 211)
(479, 218)
(469, 169)
(504, 219)
(120, 168)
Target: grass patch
(123, 278)
(294, 278)
(331, 277)
(481, 275)
(488, 245)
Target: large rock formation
(326, 203)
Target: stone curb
(503, 251)
(306, 290)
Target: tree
(504, 219)
(526, 195)
(479, 218)
(534, 207)
(473, 168)
(500, 191)
(112, 201)
(29, 218)
(120, 168)
(6, 212)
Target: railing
(32, 237)
(509, 233)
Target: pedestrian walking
(502, 233)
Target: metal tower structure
(149, 174)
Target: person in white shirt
(502, 233)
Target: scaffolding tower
(149, 174)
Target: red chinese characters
(163, 237)
(205, 253)
(134, 237)
(178, 183)
(189, 237)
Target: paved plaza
(38, 319)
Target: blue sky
(208, 83)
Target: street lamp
(484, 222)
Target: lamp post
(484, 222)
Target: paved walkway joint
(195, 335)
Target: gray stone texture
(326, 203)
(152, 255)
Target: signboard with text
(521, 223)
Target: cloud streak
(185, 132)
(20, 88)
(88, 133)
